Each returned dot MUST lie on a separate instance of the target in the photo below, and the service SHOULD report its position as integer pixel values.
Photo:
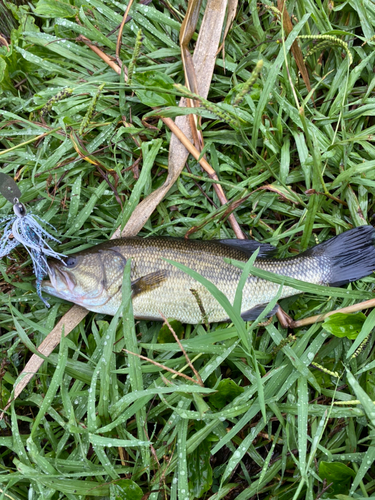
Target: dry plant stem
(5, 494)
(122, 456)
(4, 42)
(164, 367)
(345, 310)
(101, 54)
(200, 382)
(118, 44)
(197, 135)
(232, 10)
(186, 33)
(210, 171)
(187, 366)
(296, 51)
(324, 489)
(284, 319)
(178, 133)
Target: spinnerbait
(27, 232)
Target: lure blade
(8, 187)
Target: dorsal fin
(249, 246)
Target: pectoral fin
(253, 313)
(149, 282)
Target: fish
(93, 278)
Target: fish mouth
(64, 285)
(60, 283)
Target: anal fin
(253, 313)
(149, 282)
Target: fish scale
(93, 278)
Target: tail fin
(351, 255)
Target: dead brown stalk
(118, 44)
(296, 51)
(180, 374)
(367, 304)
(166, 322)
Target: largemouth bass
(93, 278)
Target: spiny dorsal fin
(249, 246)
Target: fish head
(89, 278)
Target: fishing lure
(26, 231)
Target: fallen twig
(345, 310)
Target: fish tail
(351, 255)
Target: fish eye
(71, 261)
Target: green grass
(97, 422)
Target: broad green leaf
(345, 325)
(165, 335)
(227, 390)
(125, 489)
(158, 81)
(200, 470)
(5, 80)
(3, 68)
(55, 8)
(337, 473)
